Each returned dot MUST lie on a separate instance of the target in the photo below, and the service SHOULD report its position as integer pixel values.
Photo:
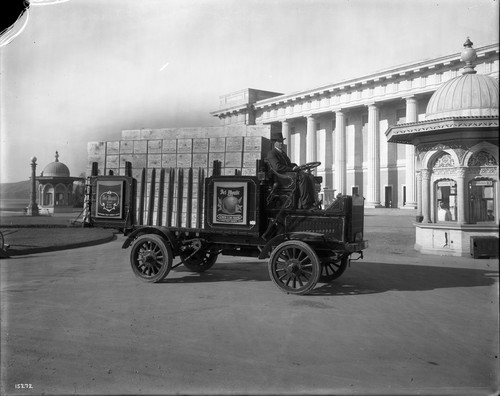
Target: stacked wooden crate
(236, 147)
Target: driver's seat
(284, 191)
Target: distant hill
(22, 190)
(17, 190)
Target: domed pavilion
(457, 159)
(55, 189)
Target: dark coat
(279, 161)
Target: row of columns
(339, 147)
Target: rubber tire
(333, 270)
(287, 262)
(158, 253)
(201, 261)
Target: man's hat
(276, 135)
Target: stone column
(411, 116)
(462, 192)
(33, 208)
(311, 139)
(419, 194)
(426, 204)
(285, 129)
(340, 153)
(324, 155)
(301, 150)
(373, 157)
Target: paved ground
(396, 323)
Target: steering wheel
(309, 166)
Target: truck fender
(157, 230)
(301, 236)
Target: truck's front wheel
(151, 258)
(294, 267)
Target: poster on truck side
(230, 203)
(109, 199)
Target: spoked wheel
(331, 270)
(200, 261)
(151, 258)
(294, 267)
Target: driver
(280, 162)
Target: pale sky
(84, 70)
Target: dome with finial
(469, 95)
(55, 169)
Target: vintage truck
(254, 216)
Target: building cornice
(241, 100)
(230, 110)
(403, 71)
(405, 133)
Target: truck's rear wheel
(294, 267)
(151, 258)
(200, 261)
(332, 270)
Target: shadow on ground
(361, 278)
(370, 278)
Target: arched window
(482, 200)
(47, 199)
(445, 190)
(446, 200)
(47, 195)
(60, 195)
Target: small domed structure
(56, 187)
(468, 95)
(56, 169)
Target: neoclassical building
(343, 124)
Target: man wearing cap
(279, 161)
